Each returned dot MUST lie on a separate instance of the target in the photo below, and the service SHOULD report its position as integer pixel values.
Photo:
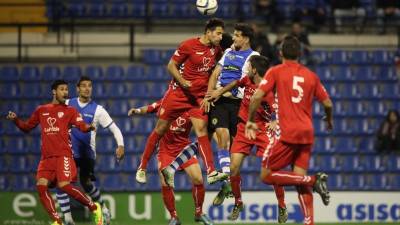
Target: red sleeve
(320, 92)
(268, 83)
(153, 108)
(77, 121)
(31, 123)
(182, 53)
(242, 82)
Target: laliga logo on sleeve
(51, 121)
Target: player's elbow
(327, 103)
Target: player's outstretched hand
(120, 153)
(215, 95)
(11, 115)
(329, 123)
(251, 129)
(133, 111)
(92, 127)
(205, 105)
(185, 83)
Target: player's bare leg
(159, 130)
(198, 193)
(78, 195)
(47, 201)
(200, 128)
(236, 164)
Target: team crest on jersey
(51, 121)
(214, 121)
(180, 121)
(60, 114)
(231, 57)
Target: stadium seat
(95, 72)
(3, 164)
(115, 73)
(160, 9)
(96, 9)
(20, 164)
(325, 73)
(394, 163)
(139, 90)
(23, 183)
(135, 73)
(138, 9)
(16, 145)
(386, 73)
(51, 73)
(75, 9)
(339, 57)
(382, 57)
(4, 182)
(9, 73)
(158, 73)
(31, 90)
(113, 182)
(105, 144)
(30, 73)
(364, 73)
(72, 73)
(359, 57)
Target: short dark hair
(246, 29)
(260, 63)
(291, 48)
(57, 83)
(213, 23)
(226, 41)
(83, 78)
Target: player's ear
(53, 91)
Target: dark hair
(246, 29)
(390, 112)
(213, 23)
(226, 41)
(291, 48)
(57, 83)
(83, 78)
(260, 63)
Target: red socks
(287, 178)
(206, 153)
(149, 149)
(280, 195)
(306, 203)
(78, 195)
(48, 203)
(236, 190)
(198, 193)
(169, 200)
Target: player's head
(60, 90)
(213, 30)
(242, 35)
(226, 41)
(290, 48)
(84, 87)
(258, 66)
(392, 116)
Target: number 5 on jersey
(296, 86)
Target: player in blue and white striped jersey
(84, 146)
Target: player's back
(296, 87)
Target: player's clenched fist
(11, 115)
(134, 111)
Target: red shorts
(241, 144)
(283, 154)
(166, 159)
(175, 103)
(57, 169)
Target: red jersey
(55, 121)
(198, 61)
(264, 113)
(177, 136)
(295, 87)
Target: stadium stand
(363, 87)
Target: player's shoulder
(253, 53)
(191, 41)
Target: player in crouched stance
(57, 166)
(170, 146)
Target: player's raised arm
(322, 95)
(152, 108)
(27, 126)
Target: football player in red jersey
(176, 140)
(241, 146)
(295, 87)
(57, 166)
(190, 66)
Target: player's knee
(197, 180)
(62, 184)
